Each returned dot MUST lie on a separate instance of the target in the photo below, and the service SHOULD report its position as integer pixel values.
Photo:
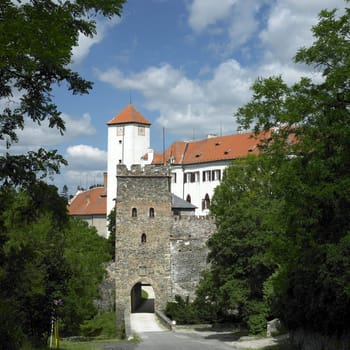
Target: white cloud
(289, 27)
(85, 43)
(86, 158)
(34, 136)
(201, 106)
(206, 12)
(86, 165)
(185, 104)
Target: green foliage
(144, 294)
(45, 258)
(85, 252)
(111, 230)
(182, 311)
(309, 148)
(282, 244)
(36, 42)
(232, 289)
(102, 325)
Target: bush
(102, 325)
(182, 311)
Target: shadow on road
(223, 333)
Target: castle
(153, 246)
(162, 202)
(196, 167)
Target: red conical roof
(129, 115)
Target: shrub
(182, 311)
(102, 325)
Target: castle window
(173, 178)
(206, 201)
(191, 177)
(151, 212)
(206, 175)
(216, 175)
(188, 198)
(143, 238)
(134, 212)
(141, 130)
(120, 131)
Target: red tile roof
(91, 202)
(129, 115)
(211, 149)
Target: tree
(45, 257)
(85, 252)
(37, 38)
(239, 264)
(309, 146)
(111, 230)
(40, 262)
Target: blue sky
(187, 65)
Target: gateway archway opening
(142, 298)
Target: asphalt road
(175, 341)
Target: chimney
(105, 180)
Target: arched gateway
(142, 240)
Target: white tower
(128, 143)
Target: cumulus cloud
(85, 43)
(184, 104)
(207, 102)
(282, 26)
(203, 13)
(289, 27)
(86, 158)
(86, 165)
(34, 136)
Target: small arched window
(188, 198)
(143, 238)
(206, 201)
(134, 212)
(151, 212)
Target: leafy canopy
(309, 146)
(284, 218)
(36, 41)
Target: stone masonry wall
(189, 252)
(138, 261)
(173, 253)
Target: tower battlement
(149, 170)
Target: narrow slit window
(143, 238)
(134, 212)
(151, 212)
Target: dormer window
(227, 151)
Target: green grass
(88, 345)
(68, 345)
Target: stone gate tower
(143, 227)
